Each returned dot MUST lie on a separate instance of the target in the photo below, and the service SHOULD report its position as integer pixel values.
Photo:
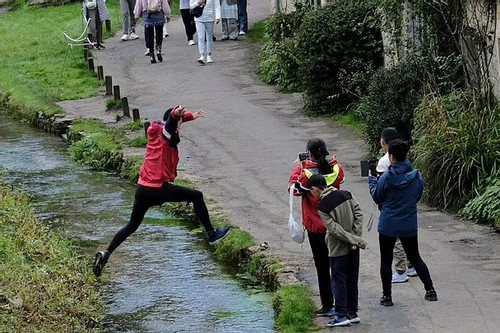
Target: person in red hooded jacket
(155, 185)
(316, 230)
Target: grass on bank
(258, 31)
(38, 68)
(294, 308)
(45, 286)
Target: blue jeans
(242, 15)
(205, 32)
(345, 275)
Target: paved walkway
(241, 155)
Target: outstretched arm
(198, 114)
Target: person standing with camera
(307, 164)
(398, 190)
(403, 267)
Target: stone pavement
(241, 155)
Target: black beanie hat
(317, 180)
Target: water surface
(163, 278)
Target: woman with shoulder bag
(333, 172)
(205, 27)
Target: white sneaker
(209, 59)
(147, 52)
(411, 272)
(133, 36)
(400, 278)
(242, 33)
(191, 42)
(124, 37)
(201, 60)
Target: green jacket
(344, 221)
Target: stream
(162, 278)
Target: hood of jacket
(401, 175)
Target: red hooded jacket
(162, 156)
(299, 180)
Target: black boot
(158, 53)
(152, 57)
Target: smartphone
(303, 156)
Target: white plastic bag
(296, 230)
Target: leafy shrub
(278, 57)
(392, 96)
(285, 25)
(485, 206)
(278, 65)
(457, 144)
(339, 47)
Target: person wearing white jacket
(205, 27)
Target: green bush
(395, 92)
(281, 26)
(278, 65)
(278, 57)
(339, 47)
(392, 96)
(485, 206)
(457, 143)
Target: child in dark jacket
(344, 221)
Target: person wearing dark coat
(398, 190)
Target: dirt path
(241, 156)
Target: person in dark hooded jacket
(399, 189)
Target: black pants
(410, 245)
(189, 24)
(322, 263)
(146, 197)
(149, 35)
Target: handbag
(197, 11)
(296, 231)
